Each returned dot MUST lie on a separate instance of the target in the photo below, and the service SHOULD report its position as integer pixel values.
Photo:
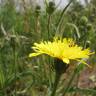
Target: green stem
(14, 55)
(15, 71)
(48, 38)
(82, 90)
(61, 16)
(57, 79)
(70, 82)
(49, 20)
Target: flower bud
(37, 10)
(50, 8)
(83, 20)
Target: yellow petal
(34, 54)
(82, 61)
(65, 60)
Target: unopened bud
(51, 7)
(37, 10)
(83, 20)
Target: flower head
(63, 49)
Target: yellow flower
(63, 49)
